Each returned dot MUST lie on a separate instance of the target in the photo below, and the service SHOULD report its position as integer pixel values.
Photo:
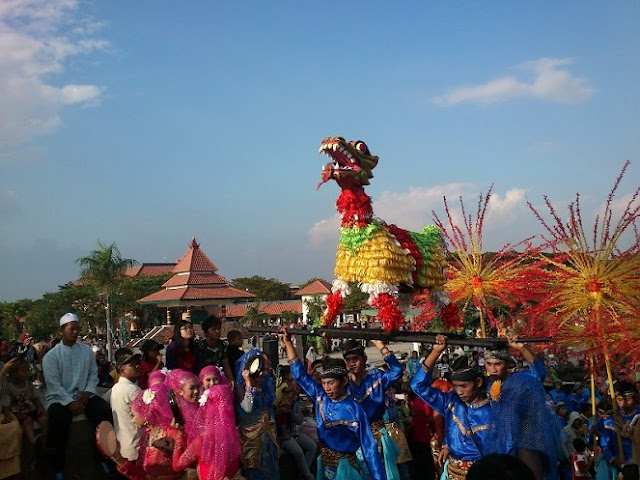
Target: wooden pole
(402, 336)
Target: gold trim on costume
(369, 390)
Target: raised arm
(395, 369)
(421, 381)
(300, 375)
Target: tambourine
(254, 364)
(106, 439)
(175, 409)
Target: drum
(106, 439)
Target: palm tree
(104, 268)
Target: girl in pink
(213, 438)
(210, 375)
(186, 387)
(153, 414)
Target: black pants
(96, 410)
(423, 465)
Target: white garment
(69, 371)
(122, 395)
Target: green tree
(264, 288)
(254, 317)
(104, 268)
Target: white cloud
(36, 39)
(550, 82)
(412, 210)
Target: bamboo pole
(616, 415)
(401, 336)
(483, 327)
(593, 398)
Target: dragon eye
(361, 147)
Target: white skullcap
(68, 317)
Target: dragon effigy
(385, 261)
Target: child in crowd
(186, 387)
(151, 361)
(23, 401)
(210, 376)
(213, 348)
(234, 350)
(213, 439)
(580, 465)
(123, 394)
(152, 413)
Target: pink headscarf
(211, 369)
(152, 404)
(175, 380)
(155, 377)
(219, 450)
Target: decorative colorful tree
(484, 280)
(592, 298)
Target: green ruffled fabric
(354, 237)
(427, 240)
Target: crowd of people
(208, 409)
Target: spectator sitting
(104, 370)
(71, 376)
(23, 401)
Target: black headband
(468, 374)
(334, 372)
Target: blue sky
(145, 123)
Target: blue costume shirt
(609, 439)
(467, 427)
(371, 391)
(342, 425)
(518, 417)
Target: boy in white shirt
(122, 395)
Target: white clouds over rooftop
(36, 39)
(549, 79)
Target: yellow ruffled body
(379, 259)
(432, 274)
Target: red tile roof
(195, 293)
(273, 309)
(195, 260)
(150, 269)
(195, 279)
(317, 287)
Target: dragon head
(351, 162)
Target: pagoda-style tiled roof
(273, 309)
(150, 269)
(195, 261)
(317, 287)
(195, 280)
(195, 293)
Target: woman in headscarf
(254, 399)
(186, 389)
(311, 357)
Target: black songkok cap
(351, 347)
